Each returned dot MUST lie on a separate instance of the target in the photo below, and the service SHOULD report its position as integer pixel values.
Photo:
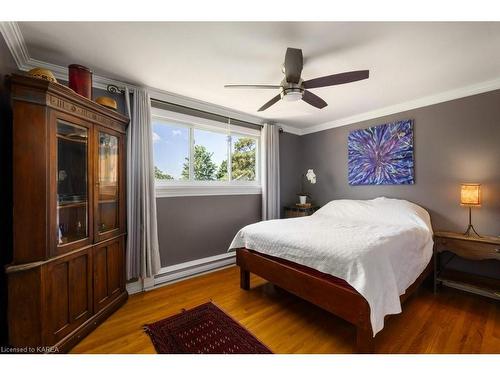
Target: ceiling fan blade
(313, 100)
(337, 79)
(270, 103)
(252, 86)
(293, 64)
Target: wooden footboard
(326, 291)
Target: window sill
(165, 191)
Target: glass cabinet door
(72, 183)
(108, 183)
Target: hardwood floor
(449, 322)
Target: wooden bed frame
(326, 291)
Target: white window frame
(176, 188)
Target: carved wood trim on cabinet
(74, 109)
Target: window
(243, 158)
(209, 156)
(196, 156)
(171, 150)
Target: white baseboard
(182, 271)
(134, 287)
(148, 283)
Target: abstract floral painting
(381, 155)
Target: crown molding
(15, 42)
(442, 97)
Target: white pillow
(377, 211)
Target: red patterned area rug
(205, 329)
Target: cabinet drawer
(469, 249)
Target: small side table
(296, 211)
(480, 254)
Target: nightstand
(295, 211)
(467, 263)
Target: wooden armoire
(69, 216)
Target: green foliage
(222, 171)
(203, 167)
(243, 163)
(243, 160)
(160, 175)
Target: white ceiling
(407, 61)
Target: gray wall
(456, 141)
(191, 228)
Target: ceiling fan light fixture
(292, 95)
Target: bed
(358, 259)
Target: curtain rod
(209, 113)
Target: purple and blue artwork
(381, 155)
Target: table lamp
(470, 196)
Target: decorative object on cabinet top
(107, 102)
(80, 80)
(63, 98)
(42, 73)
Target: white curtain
(143, 255)
(270, 172)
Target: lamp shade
(470, 195)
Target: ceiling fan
(294, 88)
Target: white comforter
(378, 246)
